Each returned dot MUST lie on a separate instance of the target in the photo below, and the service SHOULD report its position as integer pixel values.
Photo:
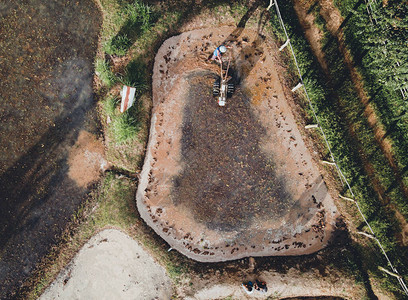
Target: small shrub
(175, 271)
(138, 14)
(135, 75)
(133, 20)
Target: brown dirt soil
(403, 236)
(47, 50)
(312, 33)
(86, 159)
(221, 183)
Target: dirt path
(111, 265)
(281, 286)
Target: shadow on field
(228, 178)
(47, 98)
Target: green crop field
(375, 183)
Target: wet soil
(46, 55)
(227, 177)
(221, 183)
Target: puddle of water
(46, 55)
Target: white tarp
(128, 97)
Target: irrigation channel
(46, 100)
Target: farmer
(218, 53)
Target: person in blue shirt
(218, 53)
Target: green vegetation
(353, 143)
(134, 19)
(135, 31)
(124, 127)
(377, 50)
(104, 72)
(135, 75)
(110, 105)
(386, 42)
(116, 205)
(118, 45)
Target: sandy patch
(205, 204)
(86, 159)
(281, 286)
(111, 266)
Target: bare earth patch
(86, 159)
(111, 266)
(282, 286)
(221, 183)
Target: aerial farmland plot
(221, 183)
(203, 149)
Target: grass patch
(110, 106)
(118, 45)
(116, 205)
(125, 127)
(133, 20)
(104, 72)
(136, 75)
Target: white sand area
(111, 266)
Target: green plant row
(388, 182)
(365, 40)
(350, 138)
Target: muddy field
(46, 111)
(220, 183)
